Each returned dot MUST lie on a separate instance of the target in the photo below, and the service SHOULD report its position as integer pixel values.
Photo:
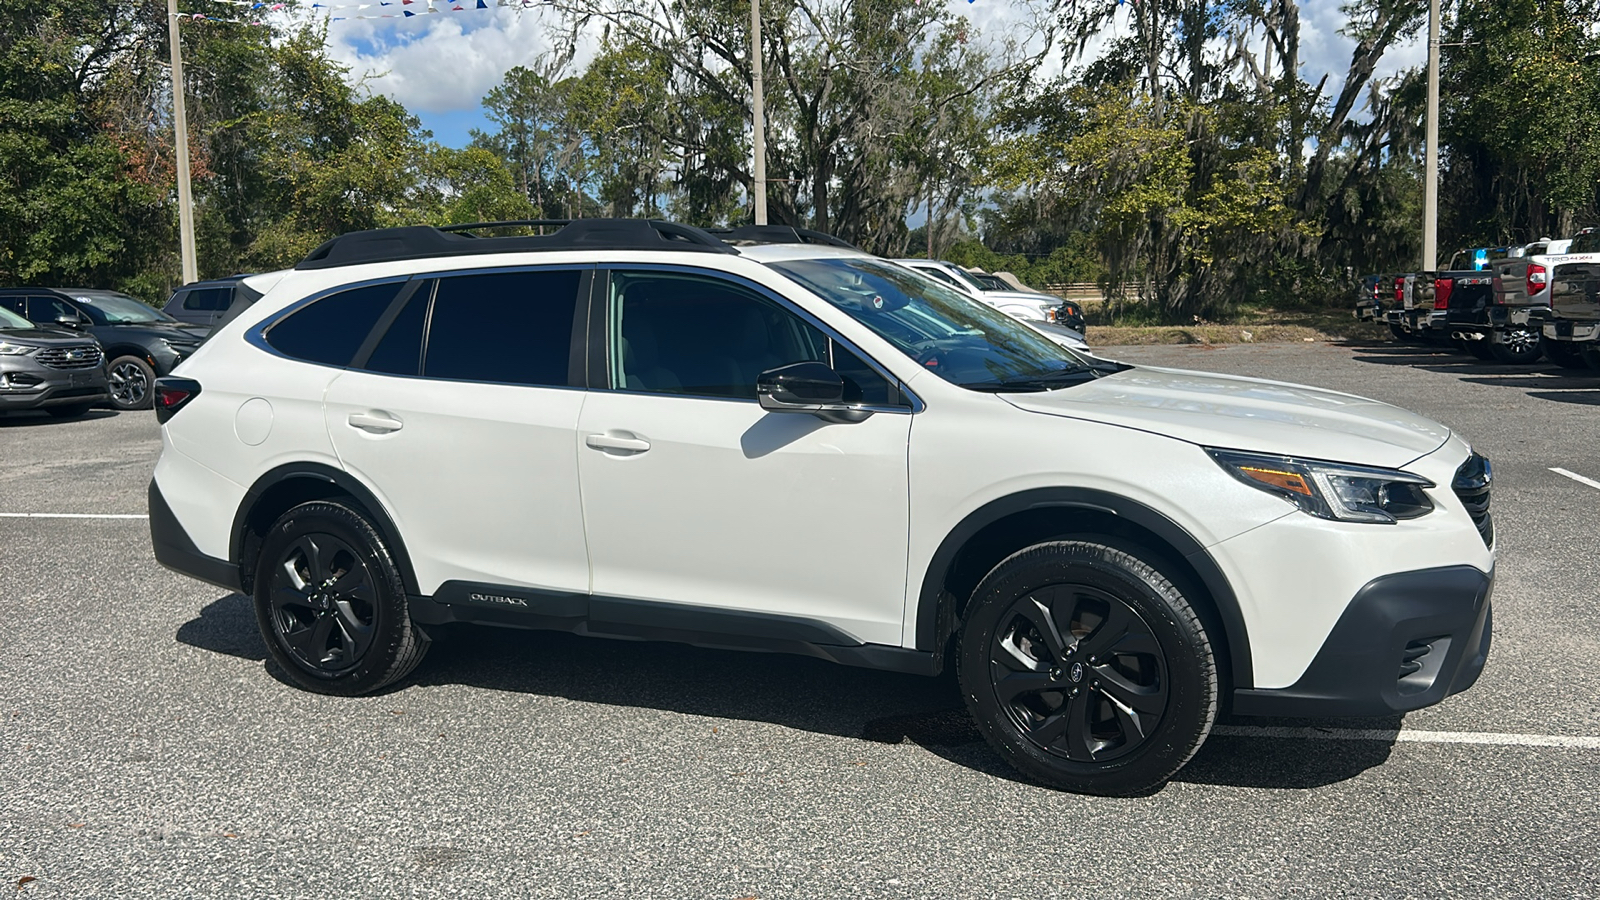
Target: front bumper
(1406, 641)
(24, 384)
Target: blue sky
(441, 65)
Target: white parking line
(73, 516)
(1406, 735)
(1578, 478)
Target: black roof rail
(778, 234)
(426, 241)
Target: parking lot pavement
(146, 749)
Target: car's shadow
(791, 691)
(32, 418)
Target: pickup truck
(1422, 300)
(1488, 311)
(1571, 323)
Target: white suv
(634, 429)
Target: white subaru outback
(634, 429)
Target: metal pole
(758, 116)
(1430, 188)
(180, 124)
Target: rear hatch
(1467, 294)
(1575, 287)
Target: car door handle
(628, 443)
(375, 422)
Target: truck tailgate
(1575, 290)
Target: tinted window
(50, 309)
(399, 352)
(862, 383)
(507, 327)
(675, 334)
(209, 299)
(16, 304)
(330, 330)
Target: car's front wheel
(1086, 668)
(331, 603)
(131, 379)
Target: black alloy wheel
(1086, 668)
(331, 604)
(131, 379)
(1567, 354)
(1079, 672)
(1518, 346)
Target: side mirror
(71, 321)
(807, 387)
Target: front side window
(330, 330)
(960, 339)
(118, 309)
(505, 327)
(49, 310)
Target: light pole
(180, 125)
(1430, 188)
(758, 115)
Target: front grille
(82, 356)
(1472, 483)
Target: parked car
(207, 302)
(807, 449)
(53, 369)
(1572, 327)
(140, 342)
(1025, 305)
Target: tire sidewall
(149, 383)
(1190, 665)
(391, 619)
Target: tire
(71, 411)
(132, 381)
(1566, 354)
(1522, 346)
(1480, 350)
(331, 603)
(1060, 723)
(1400, 334)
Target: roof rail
(778, 234)
(425, 241)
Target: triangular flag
(409, 13)
(482, 5)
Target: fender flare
(1210, 574)
(346, 483)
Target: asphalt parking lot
(146, 748)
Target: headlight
(10, 349)
(1332, 490)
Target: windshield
(118, 309)
(9, 319)
(959, 339)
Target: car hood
(44, 336)
(168, 331)
(1246, 414)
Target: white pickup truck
(1571, 323)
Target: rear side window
(208, 299)
(399, 351)
(332, 329)
(505, 327)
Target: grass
(1254, 325)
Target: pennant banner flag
(433, 6)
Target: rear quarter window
(331, 329)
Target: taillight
(173, 394)
(1538, 278)
(1399, 290)
(1441, 297)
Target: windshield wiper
(1046, 382)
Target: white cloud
(443, 62)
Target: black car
(140, 343)
(207, 303)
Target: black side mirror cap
(807, 387)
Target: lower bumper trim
(176, 550)
(1406, 641)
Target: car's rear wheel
(1566, 354)
(1086, 668)
(1400, 334)
(1518, 346)
(131, 378)
(331, 603)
